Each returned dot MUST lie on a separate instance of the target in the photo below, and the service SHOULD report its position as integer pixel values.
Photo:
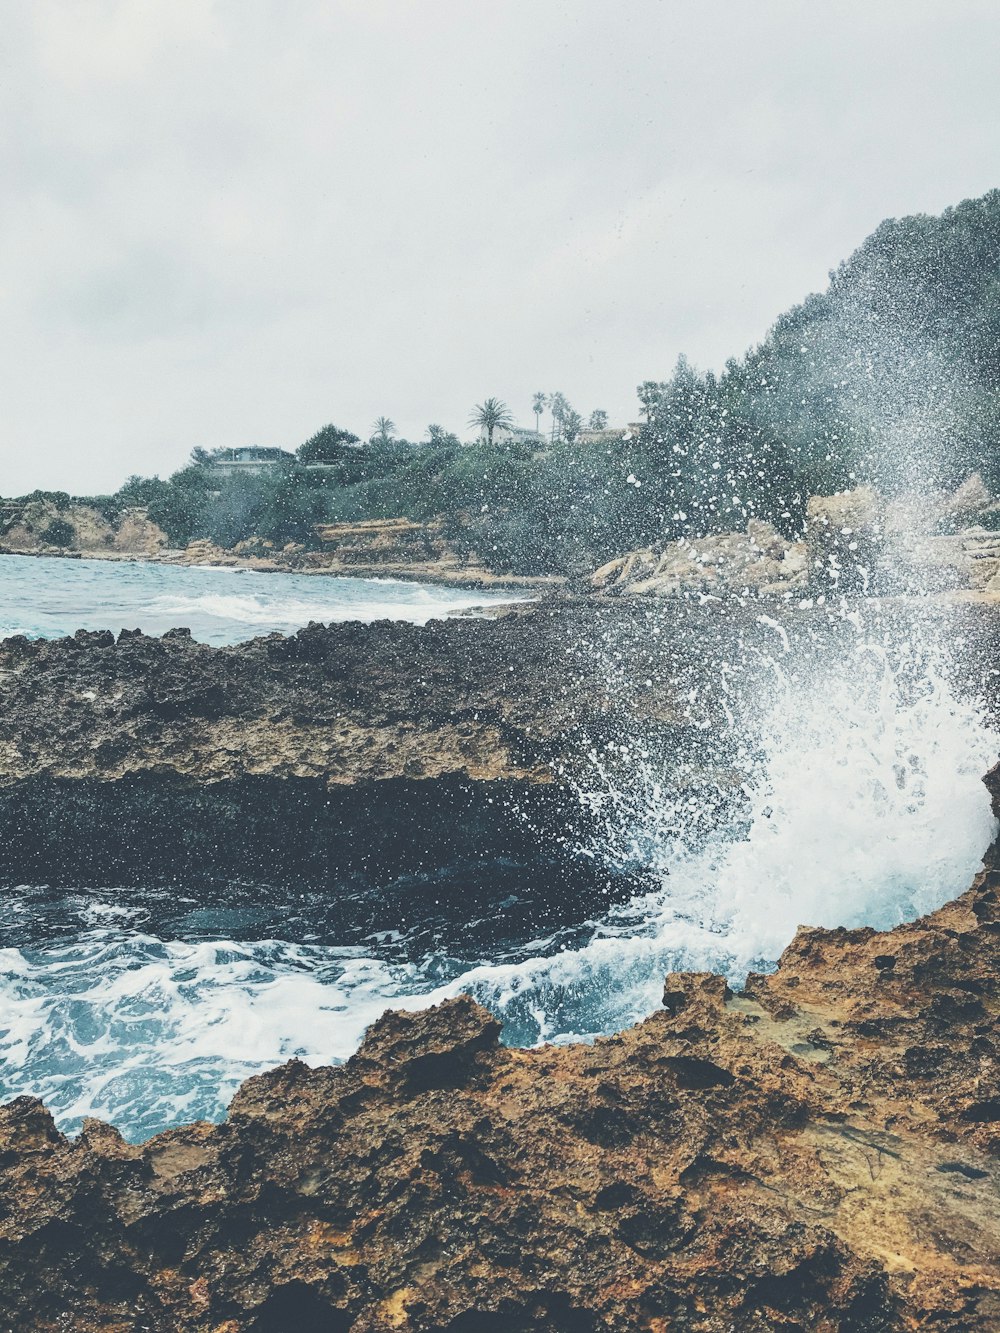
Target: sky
(232, 221)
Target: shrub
(59, 533)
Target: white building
(520, 434)
(250, 460)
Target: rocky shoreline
(817, 1152)
(461, 724)
(853, 542)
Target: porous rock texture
(822, 1153)
(380, 749)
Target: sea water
(50, 598)
(854, 797)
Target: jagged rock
(202, 551)
(136, 534)
(759, 561)
(969, 501)
(305, 739)
(25, 528)
(820, 1152)
(766, 538)
(855, 543)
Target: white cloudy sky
(231, 221)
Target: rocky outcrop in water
(821, 1152)
(345, 749)
(142, 758)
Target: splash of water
(860, 802)
(854, 798)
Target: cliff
(36, 527)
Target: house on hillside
(519, 434)
(249, 460)
(610, 434)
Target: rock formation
(845, 538)
(854, 543)
(395, 548)
(759, 562)
(310, 739)
(37, 526)
(821, 1152)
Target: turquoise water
(50, 598)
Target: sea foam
(856, 798)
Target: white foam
(860, 802)
(139, 1031)
(50, 598)
(247, 610)
(864, 805)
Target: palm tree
(538, 407)
(490, 415)
(572, 424)
(384, 430)
(558, 406)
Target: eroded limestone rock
(822, 1152)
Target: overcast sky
(231, 222)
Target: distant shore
(427, 572)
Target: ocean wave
(54, 598)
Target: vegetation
(385, 429)
(59, 533)
(326, 446)
(892, 375)
(492, 415)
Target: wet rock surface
(346, 704)
(339, 750)
(379, 748)
(819, 1152)
(822, 1152)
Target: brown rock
(821, 1152)
(845, 536)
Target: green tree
(441, 438)
(326, 446)
(598, 420)
(650, 395)
(385, 429)
(491, 415)
(572, 424)
(558, 406)
(538, 404)
(59, 533)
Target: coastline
(443, 573)
(808, 1153)
(820, 1146)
